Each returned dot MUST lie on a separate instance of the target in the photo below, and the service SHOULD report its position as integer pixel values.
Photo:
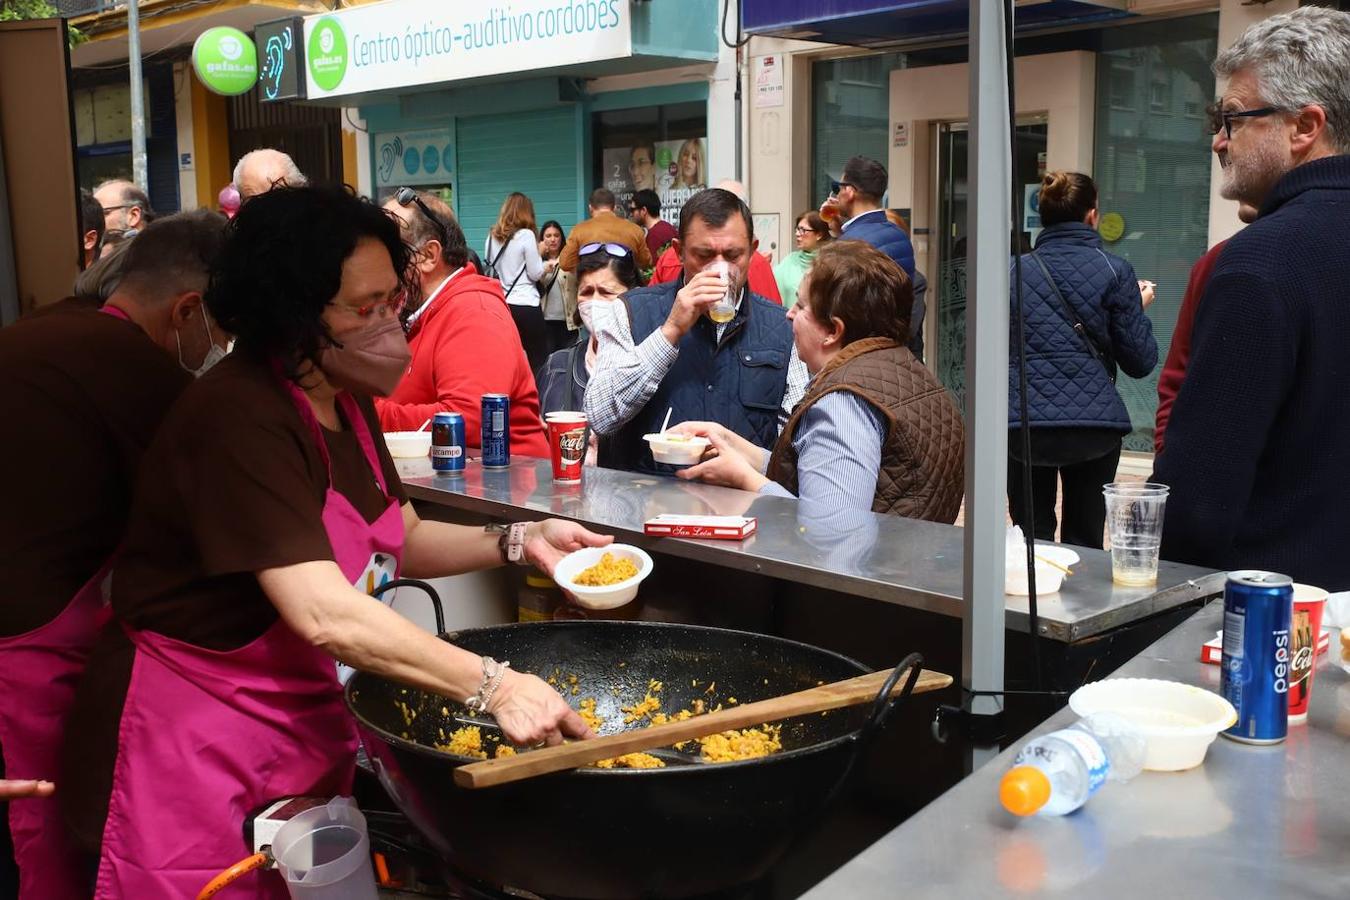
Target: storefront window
(1152, 169)
(850, 109)
(660, 148)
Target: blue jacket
(875, 229)
(562, 378)
(1066, 385)
(739, 383)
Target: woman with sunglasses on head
(605, 272)
(512, 256)
(269, 513)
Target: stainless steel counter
(1251, 822)
(901, 561)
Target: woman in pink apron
(207, 736)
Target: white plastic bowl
(676, 449)
(408, 444)
(1179, 721)
(611, 595)
(1049, 579)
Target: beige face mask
(368, 358)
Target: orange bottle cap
(1024, 790)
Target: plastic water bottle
(1056, 773)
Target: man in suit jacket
(857, 198)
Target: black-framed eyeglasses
(1222, 119)
(837, 186)
(406, 196)
(618, 251)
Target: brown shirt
(601, 228)
(232, 485)
(81, 395)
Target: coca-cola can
(567, 445)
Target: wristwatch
(510, 541)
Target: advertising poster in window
(662, 149)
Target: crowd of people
(221, 388)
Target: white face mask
(585, 308)
(213, 352)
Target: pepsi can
(496, 431)
(1256, 654)
(447, 442)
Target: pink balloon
(229, 200)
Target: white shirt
(519, 266)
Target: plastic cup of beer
(724, 310)
(1134, 520)
(1305, 627)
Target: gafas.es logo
(327, 53)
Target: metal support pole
(139, 172)
(989, 213)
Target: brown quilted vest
(923, 453)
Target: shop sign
(390, 46)
(225, 60)
(768, 81)
(279, 45)
(413, 157)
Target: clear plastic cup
(1134, 520)
(724, 310)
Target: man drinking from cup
(661, 348)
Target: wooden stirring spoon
(850, 692)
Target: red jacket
(761, 279)
(464, 346)
(1179, 354)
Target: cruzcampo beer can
(447, 442)
(1256, 654)
(496, 431)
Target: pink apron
(42, 668)
(208, 737)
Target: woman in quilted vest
(1083, 312)
(875, 430)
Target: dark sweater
(1255, 452)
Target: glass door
(952, 195)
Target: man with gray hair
(1253, 447)
(126, 209)
(258, 171)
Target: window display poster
(675, 169)
(413, 157)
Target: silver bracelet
(493, 673)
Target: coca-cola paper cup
(567, 445)
(1305, 626)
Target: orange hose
(382, 870)
(238, 870)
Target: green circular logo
(1111, 227)
(327, 53)
(225, 60)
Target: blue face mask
(213, 352)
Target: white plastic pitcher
(324, 853)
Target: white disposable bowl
(408, 444)
(1178, 721)
(676, 450)
(611, 595)
(1049, 579)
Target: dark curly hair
(282, 264)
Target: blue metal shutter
(531, 152)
